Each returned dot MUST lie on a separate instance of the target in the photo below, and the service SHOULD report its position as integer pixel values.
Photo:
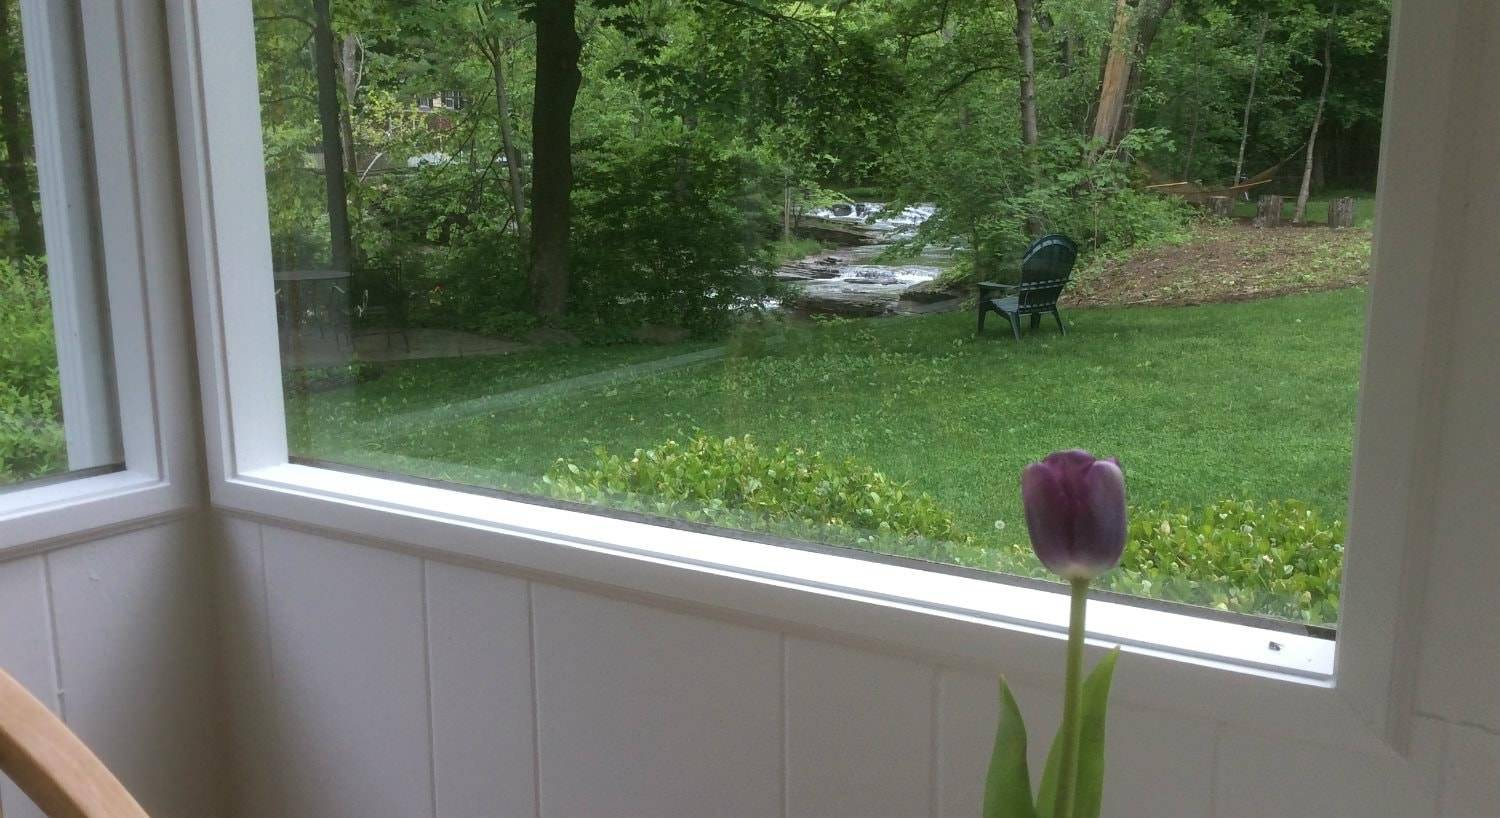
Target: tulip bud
(1075, 512)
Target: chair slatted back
(1045, 270)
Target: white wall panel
(1259, 777)
(859, 733)
(647, 713)
(1471, 780)
(967, 714)
(248, 684)
(25, 652)
(644, 713)
(349, 660)
(134, 623)
(483, 732)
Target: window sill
(69, 510)
(1178, 663)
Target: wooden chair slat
(51, 765)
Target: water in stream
(855, 279)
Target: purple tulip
(1075, 511)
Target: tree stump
(1341, 213)
(1221, 206)
(1268, 211)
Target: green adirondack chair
(1045, 270)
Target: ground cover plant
(31, 434)
(1251, 400)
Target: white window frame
(1175, 663)
(110, 208)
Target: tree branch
(952, 87)
(291, 18)
(777, 17)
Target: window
(730, 286)
(58, 413)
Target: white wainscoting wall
(372, 682)
(117, 634)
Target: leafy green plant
(31, 435)
(667, 235)
(1279, 558)
(737, 482)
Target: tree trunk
(1192, 147)
(1341, 213)
(496, 56)
(333, 145)
(1221, 206)
(1260, 50)
(17, 125)
(350, 63)
(1268, 211)
(788, 211)
(1148, 24)
(1116, 77)
(1312, 140)
(349, 58)
(558, 49)
(1029, 132)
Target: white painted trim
(230, 257)
(122, 50)
(1205, 669)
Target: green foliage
(31, 435)
(785, 250)
(986, 193)
(1280, 558)
(476, 283)
(1007, 786)
(1092, 195)
(737, 482)
(666, 235)
(1089, 785)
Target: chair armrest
(50, 764)
(991, 285)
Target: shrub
(736, 482)
(479, 285)
(31, 435)
(1277, 559)
(667, 232)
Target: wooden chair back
(51, 765)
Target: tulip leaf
(1089, 797)
(1007, 787)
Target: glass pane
(721, 263)
(57, 413)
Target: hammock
(1200, 194)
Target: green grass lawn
(1252, 400)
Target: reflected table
(312, 298)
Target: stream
(853, 279)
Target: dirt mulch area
(1233, 262)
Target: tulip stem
(1072, 726)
